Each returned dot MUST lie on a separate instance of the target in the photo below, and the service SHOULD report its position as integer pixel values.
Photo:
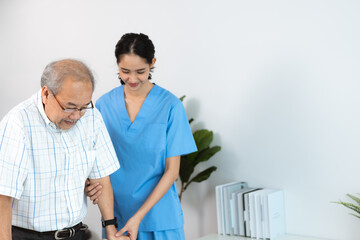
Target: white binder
(223, 206)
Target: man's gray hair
(55, 73)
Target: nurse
(149, 129)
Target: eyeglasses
(71, 110)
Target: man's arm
(106, 205)
(5, 219)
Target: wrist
(109, 222)
(110, 230)
(138, 217)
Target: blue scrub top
(160, 130)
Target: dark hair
(135, 43)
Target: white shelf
(222, 237)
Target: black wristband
(110, 222)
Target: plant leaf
(356, 199)
(203, 138)
(206, 154)
(191, 157)
(354, 215)
(350, 206)
(202, 176)
(186, 169)
(182, 98)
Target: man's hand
(93, 191)
(131, 227)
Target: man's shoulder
(21, 113)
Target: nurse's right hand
(110, 232)
(93, 191)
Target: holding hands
(111, 234)
(131, 228)
(93, 191)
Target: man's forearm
(106, 201)
(5, 219)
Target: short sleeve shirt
(44, 168)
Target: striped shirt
(44, 169)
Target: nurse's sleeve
(179, 138)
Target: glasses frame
(72, 110)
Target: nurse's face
(134, 71)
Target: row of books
(250, 212)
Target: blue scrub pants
(173, 234)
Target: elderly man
(49, 145)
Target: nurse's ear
(152, 63)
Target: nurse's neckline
(138, 106)
(138, 96)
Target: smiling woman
(134, 70)
(150, 131)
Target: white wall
(277, 81)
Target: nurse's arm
(106, 204)
(172, 167)
(5, 219)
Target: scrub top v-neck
(145, 108)
(160, 130)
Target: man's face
(73, 94)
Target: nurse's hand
(131, 227)
(118, 238)
(92, 191)
(110, 233)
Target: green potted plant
(355, 207)
(203, 139)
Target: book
(228, 202)
(252, 214)
(218, 210)
(259, 213)
(247, 217)
(239, 223)
(274, 214)
(223, 205)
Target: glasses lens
(69, 110)
(82, 110)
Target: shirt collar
(40, 106)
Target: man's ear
(45, 93)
